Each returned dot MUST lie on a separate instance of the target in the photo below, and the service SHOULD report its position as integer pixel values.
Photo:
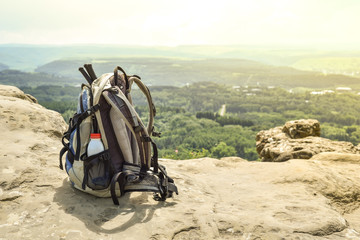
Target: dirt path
(222, 110)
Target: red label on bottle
(95, 135)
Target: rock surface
(297, 140)
(219, 199)
(302, 128)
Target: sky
(181, 22)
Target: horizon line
(242, 45)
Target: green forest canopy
(191, 125)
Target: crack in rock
(187, 233)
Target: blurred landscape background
(211, 101)
(218, 73)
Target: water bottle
(95, 145)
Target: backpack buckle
(137, 129)
(156, 134)
(146, 139)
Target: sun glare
(172, 23)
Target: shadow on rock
(101, 215)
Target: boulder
(302, 128)
(283, 143)
(11, 91)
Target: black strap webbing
(78, 142)
(62, 152)
(120, 179)
(81, 118)
(154, 159)
(65, 148)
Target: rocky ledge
(229, 198)
(299, 139)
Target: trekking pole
(91, 72)
(86, 76)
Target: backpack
(129, 161)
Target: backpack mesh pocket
(97, 171)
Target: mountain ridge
(179, 72)
(27, 57)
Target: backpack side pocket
(97, 171)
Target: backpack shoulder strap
(116, 77)
(145, 90)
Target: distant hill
(28, 57)
(21, 79)
(329, 65)
(162, 71)
(179, 72)
(3, 66)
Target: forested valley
(218, 120)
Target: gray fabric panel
(99, 85)
(121, 135)
(85, 130)
(135, 149)
(124, 115)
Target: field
(349, 66)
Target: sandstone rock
(302, 128)
(218, 199)
(31, 98)
(337, 157)
(275, 145)
(18, 112)
(233, 159)
(11, 91)
(29, 137)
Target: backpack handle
(145, 90)
(116, 76)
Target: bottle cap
(95, 135)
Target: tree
(222, 150)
